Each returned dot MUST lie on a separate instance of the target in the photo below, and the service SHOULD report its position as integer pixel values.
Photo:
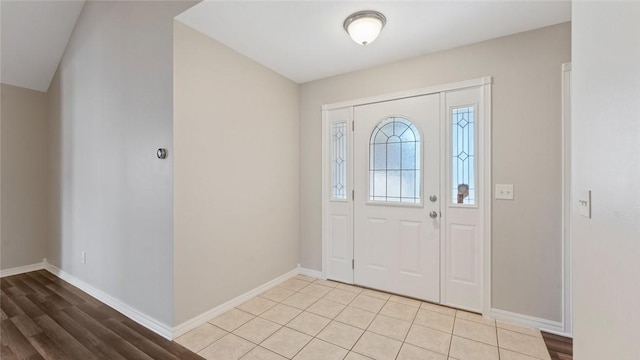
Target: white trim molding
(309, 272)
(145, 320)
(134, 314)
(487, 80)
(550, 326)
(567, 300)
(486, 162)
(201, 319)
(23, 269)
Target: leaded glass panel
(463, 155)
(394, 162)
(339, 161)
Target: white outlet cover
(504, 191)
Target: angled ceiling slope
(34, 35)
(304, 40)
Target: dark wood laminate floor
(44, 317)
(560, 347)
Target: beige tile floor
(311, 319)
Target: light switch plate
(504, 191)
(584, 203)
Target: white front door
(396, 172)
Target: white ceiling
(34, 37)
(304, 40)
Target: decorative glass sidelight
(339, 161)
(394, 162)
(463, 160)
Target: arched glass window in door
(394, 162)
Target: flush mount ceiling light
(364, 26)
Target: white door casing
(465, 229)
(567, 313)
(397, 244)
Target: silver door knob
(433, 198)
(433, 214)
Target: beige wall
(236, 174)
(526, 152)
(606, 160)
(24, 181)
(110, 109)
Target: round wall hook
(162, 153)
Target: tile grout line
(476, 340)
(388, 300)
(479, 341)
(407, 334)
(305, 310)
(365, 330)
(497, 340)
(402, 342)
(255, 316)
(330, 320)
(455, 318)
(518, 352)
(368, 326)
(348, 305)
(259, 316)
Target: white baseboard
(22, 269)
(554, 327)
(201, 319)
(143, 319)
(309, 272)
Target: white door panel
(338, 227)
(463, 242)
(340, 238)
(396, 242)
(463, 254)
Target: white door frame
(484, 167)
(567, 301)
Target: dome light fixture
(364, 26)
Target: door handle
(433, 214)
